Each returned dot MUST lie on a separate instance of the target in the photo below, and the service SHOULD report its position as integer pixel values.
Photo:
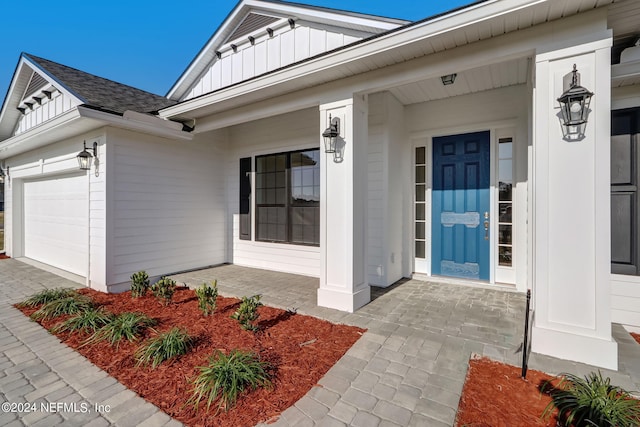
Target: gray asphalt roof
(101, 93)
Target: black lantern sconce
(574, 106)
(331, 135)
(2, 175)
(84, 157)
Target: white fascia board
(311, 13)
(396, 39)
(63, 126)
(82, 119)
(138, 122)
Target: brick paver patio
(408, 369)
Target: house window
(625, 178)
(288, 197)
(505, 202)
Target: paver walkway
(407, 369)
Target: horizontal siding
(269, 53)
(625, 300)
(283, 133)
(168, 209)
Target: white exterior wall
(287, 132)
(58, 104)
(166, 210)
(269, 53)
(50, 161)
(503, 112)
(387, 203)
(625, 290)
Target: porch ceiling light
(331, 135)
(84, 157)
(574, 102)
(449, 79)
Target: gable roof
(251, 15)
(98, 92)
(33, 75)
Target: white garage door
(56, 222)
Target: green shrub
(227, 376)
(46, 296)
(139, 284)
(163, 347)
(68, 305)
(207, 296)
(248, 312)
(592, 401)
(124, 326)
(89, 320)
(164, 289)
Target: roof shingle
(101, 93)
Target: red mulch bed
(3, 256)
(636, 337)
(494, 394)
(297, 368)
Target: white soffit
(479, 21)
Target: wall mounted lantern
(331, 135)
(84, 157)
(449, 79)
(2, 175)
(574, 102)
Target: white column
(343, 217)
(571, 213)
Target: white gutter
(82, 119)
(394, 40)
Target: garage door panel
(55, 222)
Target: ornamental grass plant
(591, 401)
(165, 346)
(226, 377)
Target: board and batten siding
(167, 209)
(388, 180)
(269, 53)
(288, 132)
(48, 109)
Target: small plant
(207, 296)
(139, 284)
(89, 320)
(248, 312)
(165, 346)
(68, 305)
(591, 401)
(124, 326)
(164, 289)
(227, 376)
(46, 296)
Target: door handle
(486, 226)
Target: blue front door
(460, 221)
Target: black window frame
(630, 189)
(288, 204)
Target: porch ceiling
(493, 76)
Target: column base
(344, 301)
(578, 348)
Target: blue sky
(142, 43)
